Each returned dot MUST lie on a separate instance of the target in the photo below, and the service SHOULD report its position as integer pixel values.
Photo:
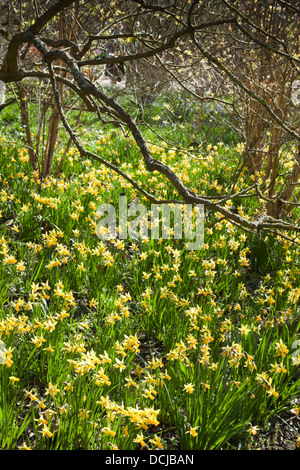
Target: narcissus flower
(109, 431)
(13, 379)
(281, 349)
(192, 431)
(253, 430)
(157, 442)
(140, 440)
(46, 431)
(189, 388)
(52, 390)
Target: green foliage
(115, 344)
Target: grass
(137, 344)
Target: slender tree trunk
(254, 131)
(48, 156)
(25, 121)
(52, 137)
(281, 203)
(68, 145)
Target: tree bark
(25, 121)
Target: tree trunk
(48, 156)
(25, 121)
(282, 203)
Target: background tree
(65, 43)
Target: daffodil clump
(115, 344)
